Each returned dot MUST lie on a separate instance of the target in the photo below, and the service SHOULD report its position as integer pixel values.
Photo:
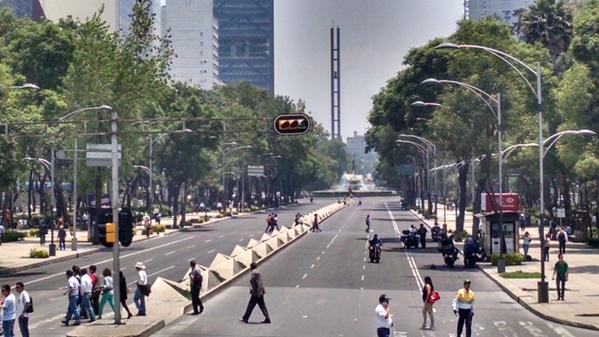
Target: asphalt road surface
(166, 257)
(322, 285)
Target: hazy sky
(375, 37)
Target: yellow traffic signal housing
(110, 233)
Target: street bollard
(501, 265)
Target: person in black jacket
(195, 282)
(123, 293)
(257, 292)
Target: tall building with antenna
(335, 82)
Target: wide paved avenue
(167, 257)
(322, 285)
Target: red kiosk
(490, 222)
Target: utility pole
(115, 216)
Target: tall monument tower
(335, 83)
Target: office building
(117, 13)
(246, 41)
(501, 9)
(19, 8)
(194, 33)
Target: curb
(146, 330)
(535, 311)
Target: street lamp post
(543, 287)
(424, 151)
(489, 100)
(429, 145)
(225, 153)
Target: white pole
(115, 217)
(74, 240)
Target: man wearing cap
(140, 293)
(384, 317)
(463, 307)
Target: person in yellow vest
(463, 307)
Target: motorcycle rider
(372, 244)
(470, 250)
(422, 232)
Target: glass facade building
(20, 8)
(246, 41)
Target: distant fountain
(356, 185)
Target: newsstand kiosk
(489, 219)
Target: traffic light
(292, 124)
(126, 227)
(101, 227)
(110, 233)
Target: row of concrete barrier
(173, 296)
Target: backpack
(30, 308)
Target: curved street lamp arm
(419, 146)
(424, 140)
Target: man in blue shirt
(9, 313)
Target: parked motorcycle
(409, 239)
(449, 252)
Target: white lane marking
(148, 260)
(559, 330)
(332, 240)
(297, 286)
(363, 267)
(364, 259)
(362, 277)
(322, 252)
(312, 266)
(411, 262)
(45, 321)
(318, 258)
(211, 251)
(109, 260)
(305, 275)
(240, 240)
(169, 253)
(221, 236)
(191, 259)
(532, 329)
(191, 246)
(207, 241)
(504, 328)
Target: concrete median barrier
(273, 243)
(262, 250)
(252, 243)
(225, 266)
(238, 250)
(264, 237)
(247, 257)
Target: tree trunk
(476, 205)
(463, 194)
(174, 195)
(29, 195)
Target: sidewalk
(14, 256)
(579, 309)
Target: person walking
(463, 307)
(123, 294)
(547, 247)
(275, 222)
(422, 232)
(72, 290)
(95, 289)
(562, 237)
(384, 317)
(9, 312)
(269, 220)
(107, 292)
(257, 292)
(315, 227)
(526, 244)
(62, 237)
(367, 223)
(24, 307)
(195, 282)
(1, 233)
(87, 288)
(43, 232)
(561, 270)
(429, 297)
(140, 293)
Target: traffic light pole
(115, 217)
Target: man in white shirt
(8, 312)
(87, 287)
(72, 291)
(23, 304)
(142, 289)
(384, 317)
